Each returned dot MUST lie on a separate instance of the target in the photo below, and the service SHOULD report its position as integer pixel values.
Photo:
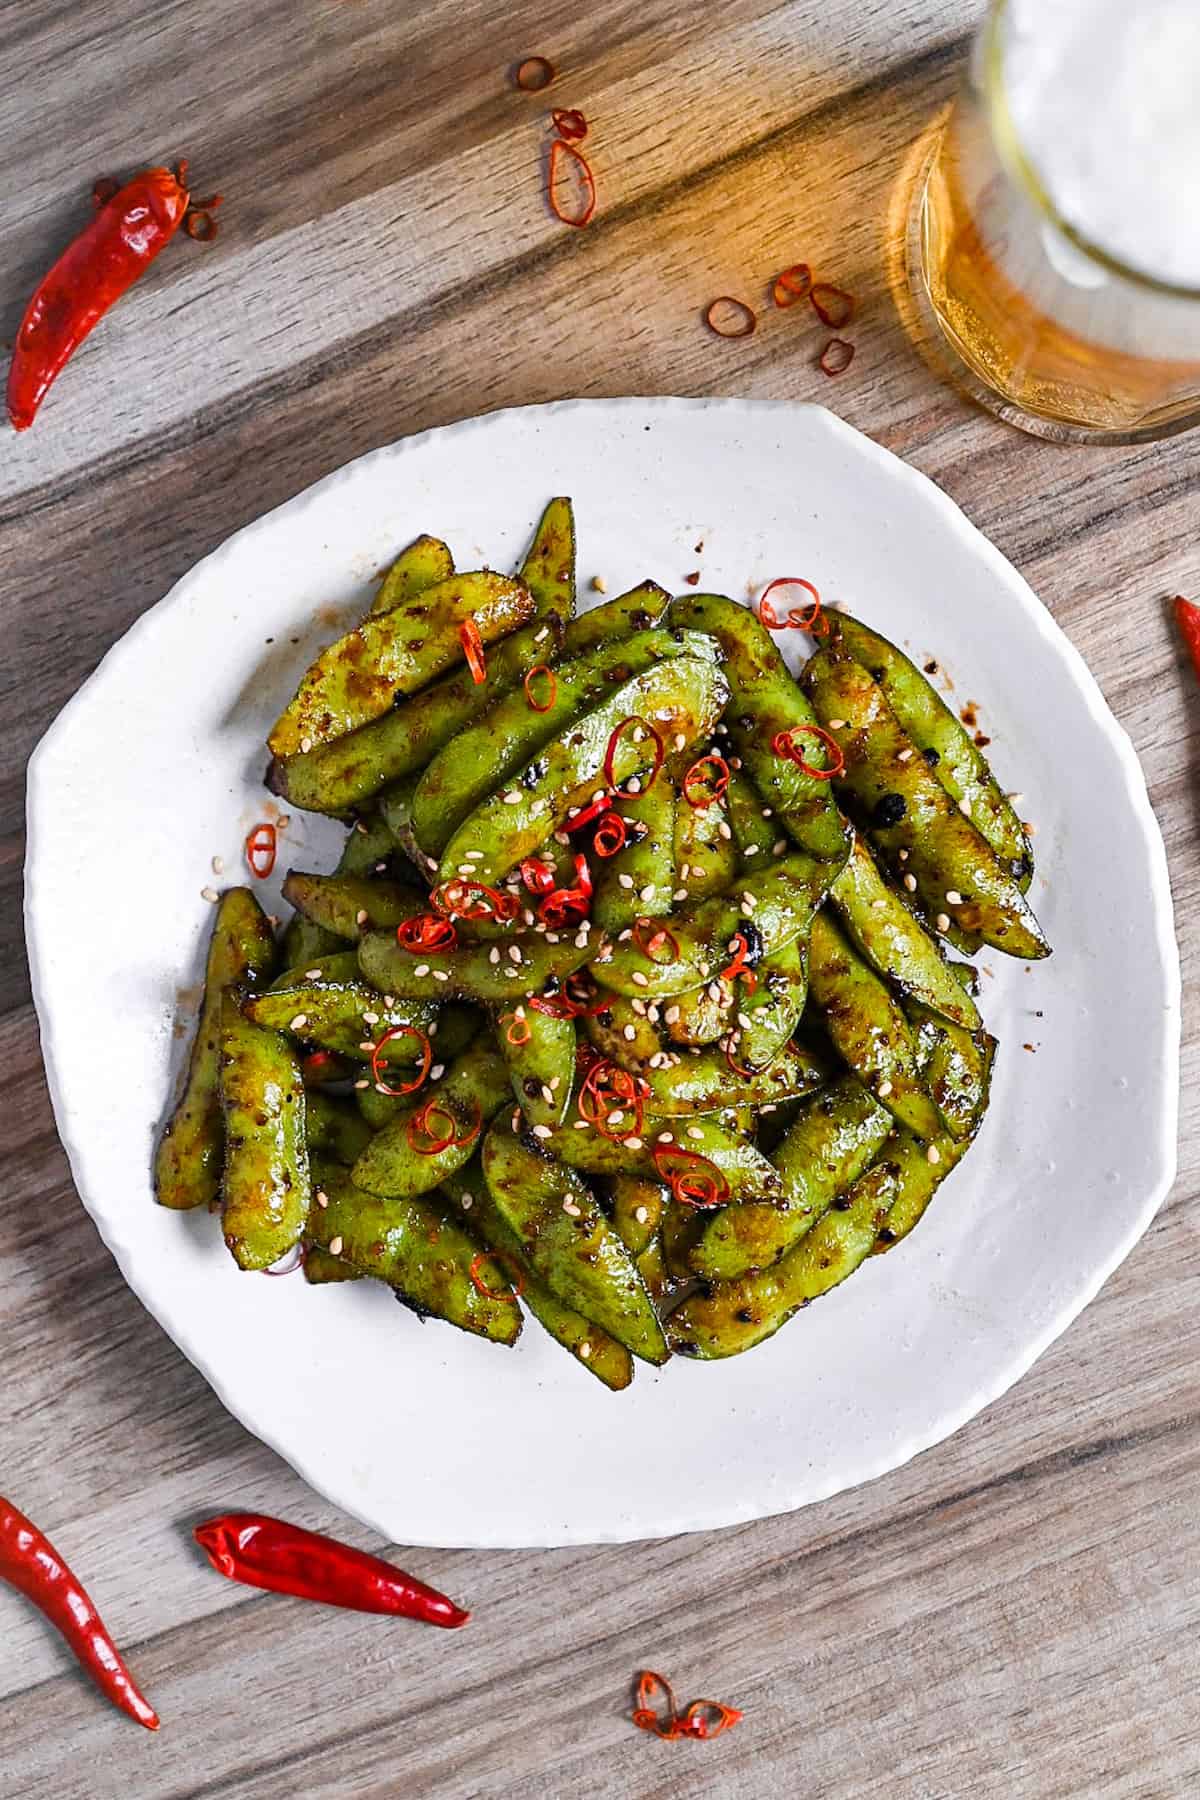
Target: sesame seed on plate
(210, 894)
(218, 865)
(335, 1246)
(599, 585)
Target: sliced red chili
(784, 744)
(583, 875)
(472, 648)
(728, 317)
(737, 964)
(199, 223)
(706, 1719)
(426, 1138)
(735, 1067)
(567, 164)
(700, 788)
(692, 1178)
(569, 123)
(423, 1066)
(503, 1261)
(651, 937)
(565, 906)
(261, 848)
(594, 810)
(651, 1688)
(795, 283)
(426, 934)
(836, 357)
(1187, 619)
(453, 900)
(534, 74)
(610, 836)
(806, 618)
(519, 1031)
(541, 706)
(832, 305)
(615, 736)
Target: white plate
(426, 1434)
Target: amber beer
(1054, 330)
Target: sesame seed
(321, 1197)
(641, 1214)
(639, 980)
(749, 900)
(218, 865)
(542, 1131)
(744, 1021)
(561, 837)
(547, 1096)
(769, 1107)
(665, 1137)
(530, 918)
(680, 894)
(514, 953)
(367, 1047)
(639, 1007)
(598, 795)
(437, 1071)
(599, 584)
(768, 812)
(335, 1246)
(695, 1133)
(305, 746)
(210, 894)
(652, 1013)
(904, 856)
(540, 636)
(473, 855)
(778, 847)
(299, 1022)
(585, 1348)
(539, 806)
(421, 969)
(904, 756)
(964, 808)
(910, 882)
(569, 1206)
(513, 797)
(884, 1088)
(493, 954)
(466, 868)
(440, 975)
(633, 785)
(362, 1084)
(466, 1201)
(714, 990)
(953, 897)
(312, 974)
(735, 762)
(370, 1018)
(626, 881)
(671, 1014)
(647, 893)
(1015, 799)
(581, 1124)
(381, 1088)
(879, 905)
(360, 917)
(1028, 827)
(629, 1032)
(942, 921)
(555, 1083)
(509, 975)
(724, 830)
(933, 1154)
(680, 741)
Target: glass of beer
(1055, 237)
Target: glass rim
(1023, 167)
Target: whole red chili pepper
(269, 1553)
(106, 258)
(1187, 617)
(29, 1561)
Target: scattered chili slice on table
(702, 1719)
(534, 74)
(131, 225)
(30, 1563)
(472, 647)
(569, 123)
(728, 317)
(569, 169)
(1187, 618)
(285, 1559)
(836, 357)
(784, 744)
(261, 849)
(794, 284)
(832, 305)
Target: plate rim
(1006, 1372)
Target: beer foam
(1105, 101)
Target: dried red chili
(579, 169)
(701, 1719)
(692, 1178)
(426, 934)
(784, 744)
(424, 1064)
(1187, 619)
(127, 232)
(534, 74)
(615, 736)
(700, 789)
(836, 357)
(735, 320)
(569, 123)
(472, 648)
(795, 283)
(30, 1563)
(261, 848)
(832, 305)
(552, 680)
(268, 1553)
(610, 836)
(650, 937)
(503, 1261)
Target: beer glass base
(943, 349)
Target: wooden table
(1013, 1614)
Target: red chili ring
(594, 810)
(426, 934)
(513, 1021)
(503, 1260)
(697, 1183)
(539, 877)
(399, 1031)
(472, 648)
(559, 150)
(836, 357)
(795, 283)
(746, 314)
(832, 305)
(569, 123)
(610, 836)
(551, 677)
(261, 848)
(658, 934)
(614, 739)
(808, 620)
(737, 966)
(783, 744)
(720, 784)
(498, 906)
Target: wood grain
(1015, 1613)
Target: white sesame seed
(585, 1348)
(665, 1137)
(421, 969)
(299, 1022)
(599, 584)
(210, 894)
(440, 975)
(953, 897)
(561, 837)
(904, 856)
(312, 974)
(539, 806)
(680, 741)
(615, 1118)
(769, 1107)
(749, 900)
(629, 1032)
(493, 954)
(633, 785)
(555, 1083)
(335, 1246)
(1028, 827)
(597, 796)
(581, 942)
(514, 953)
(910, 882)
(879, 905)
(884, 1088)
(768, 812)
(437, 1071)
(370, 1018)
(1015, 799)
(513, 797)
(724, 830)
(367, 1047)
(626, 881)
(473, 855)
(671, 1015)
(540, 636)
(641, 1214)
(837, 724)
(639, 1007)
(466, 868)
(904, 756)
(652, 1013)
(542, 1131)
(779, 846)
(680, 894)
(382, 1088)
(964, 808)
(466, 1200)
(530, 917)
(639, 980)
(360, 917)
(714, 990)
(362, 1084)
(321, 1197)
(509, 974)
(695, 1133)
(646, 894)
(569, 1206)
(218, 865)
(547, 1096)
(581, 1124)
(942, 921)
(305, 746)
(933, 1154)
(744, 1021)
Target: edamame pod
(867, 1028)
(241, 952)
(439, 1130)
(576, 1253)
(340, 1011)
(348, 905)
(638, 880)
(638, 1206)
(637, 610)
(764, 701)
(422, 565)
(394, 653)
(766, 1017)
(334, 1129)
(627, 1036)
(709, 1083)
(706, 857)
(469, 972)
(540, 1053)
(911, 816)
(746, 1172)
(265, 1190)
(419, 1247)
(680, 695)
(366, 846)
(549, 567)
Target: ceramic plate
(430, 1436)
